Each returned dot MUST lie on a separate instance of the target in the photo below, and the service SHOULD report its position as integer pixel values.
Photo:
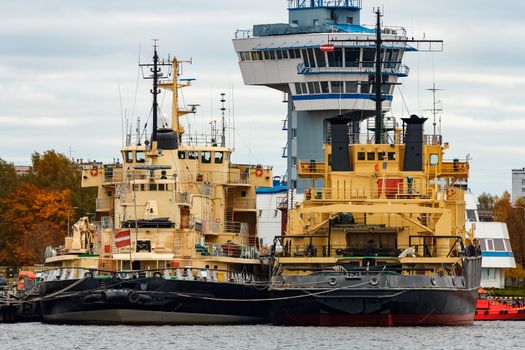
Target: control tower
(313, 60)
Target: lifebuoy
(94, 172)
(264, 250)
(305, 166)
(258, 172)
(451, 192)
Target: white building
(270, 217)
(495, 246)
(518, 183)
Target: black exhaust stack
(413, 143)
(340, 141)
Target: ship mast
(379, 129)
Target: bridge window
(380, 155)
(206, 157)
(266, 55)
(182, 155)
(128, 157)
(352, 57)
(360, 155)
(219, 157)
(349, 20)
(434, 159)
(279, 54)
(370, 156)
(272, 54)
(140, 157)
(391, 155)
(193, 155)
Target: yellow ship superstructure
(378, 204)
(185, 204)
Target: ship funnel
(167, 139)
(340, 141)
(413, 143)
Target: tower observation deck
(312, 59)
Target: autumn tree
(486, 201)
(513, 214)
(8, 178)
(52, 170)
(32, 219)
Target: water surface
(483, 335)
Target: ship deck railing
(187, 273)
(228, 250)
(399, 191)
(317, 245)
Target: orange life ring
(258, 172)
(451, 192)
(94, 172)
(264, 250)
(305, 166)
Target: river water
(483, 335)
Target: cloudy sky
(62, 63)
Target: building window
(369, 57)
(298, 90)
(294, 132)
(324, 87)
(321, 58)
(523, 189)
(352, 57)
(365, 87)
(304, 88)
(499, 246)
(489, 243)
(293, 160)
(335, 59)
(471, 215)
(337, 87)
(351, 87)
(314, 87)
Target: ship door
(184, 217)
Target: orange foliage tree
(32, 219)
(513, 214)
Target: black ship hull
(152, 301)
(377, 300)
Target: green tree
(9, 180)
